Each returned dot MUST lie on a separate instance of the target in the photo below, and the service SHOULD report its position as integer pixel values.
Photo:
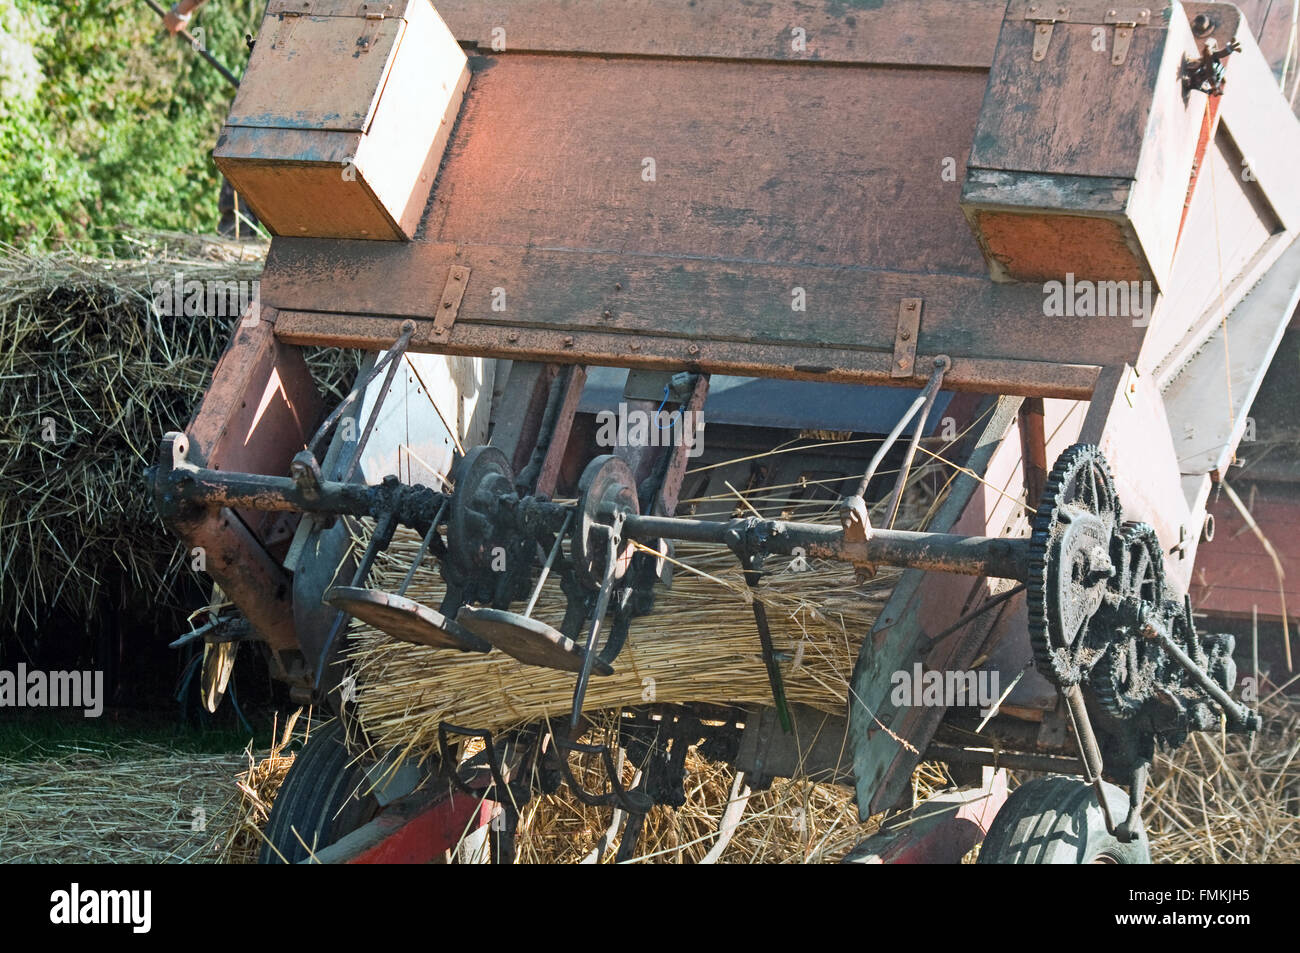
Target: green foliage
(107, 120)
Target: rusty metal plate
(404, 619)
(350, 59)
(529, 640)
(909, 326)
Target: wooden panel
(898, 32)
(1263, 127)
(307, 73)
(1234, 572)
(1074, 112)
(753, 162)
(924, 603)
(1210, 399)
(791, 361)
(709, 307)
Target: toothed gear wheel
(1070, 564)
(1129, 671)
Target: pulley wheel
(607, 487)
(481, 478)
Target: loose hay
(86, 353)
(135, 804)
(258, 787)
(1227, 800)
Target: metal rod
(972, 615)
(770, 663)
(424, 548)
(940, 552)
(550, 561)
(184, 34)
(1088, 749)
(1237, 712)
(407, 330)
(941, 365)
(589, 658)
(396, 350)
(933, 385)
(994, 758)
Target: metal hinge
(909, 326)
(1125, 19)
(1045, 16)
(374, 14)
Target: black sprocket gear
(1070, 564)
(1130, 668)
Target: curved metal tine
(499, 784)
(589, 650)
(931, 387)
(424, 548)
(930, 393)
(546, 567)
(398, 348)
(617, 795)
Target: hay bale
(699, 645)
(88, 360)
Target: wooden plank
(958, 33)
(1234, 572)
(770, 162)
(1264, 127)
(1074, 112)
(789, 361)
(705, 305)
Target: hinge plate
(909, 326)
(1125, 19)
(449, 306)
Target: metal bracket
(374, 14)
(1045, 16)
(1124, 27)
(909, 326)
(452, 293)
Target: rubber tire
(1057, 820)
(318, 799)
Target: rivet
(694, 349)
(512, 336)
(568, 342)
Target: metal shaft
(937, 552)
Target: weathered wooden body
(763, 188)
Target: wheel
(319, 800)
(1057, 820)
